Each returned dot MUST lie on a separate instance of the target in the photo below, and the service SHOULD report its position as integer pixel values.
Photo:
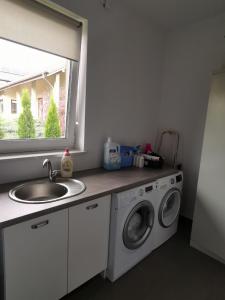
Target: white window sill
(56, 153)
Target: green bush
(52, 125)
(26, 127)
(2, 134)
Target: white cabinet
(44, 258)
(88, 240)
(35, 258)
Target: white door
(88, 240)
(208, 232)
(35, 258)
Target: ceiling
(170, 14)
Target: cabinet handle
(41, 224)
(93, 206)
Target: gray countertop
(98, 183)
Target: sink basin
(44, 191)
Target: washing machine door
(170, 208)
(138, 225)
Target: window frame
(30, 145)
(14, 108)
(1, 106)
(76, 98)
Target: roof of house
(30, 78)
(19, 63)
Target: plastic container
(138, 160)
(153, 160)
(135, 160)
(141, 162)
(66, 164)
(148, 148)
(127, 156)
(112, 160)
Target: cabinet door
(35, 258)
(88, 240)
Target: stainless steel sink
(44, 191)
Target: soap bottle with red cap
(66, 164)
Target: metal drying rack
(170, 132)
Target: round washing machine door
(170, 208)
(138, 225)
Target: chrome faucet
(52, 174)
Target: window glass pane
(13, 107)
(1, 106)
(33, 93)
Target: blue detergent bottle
(112, 160)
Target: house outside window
(42, 83)
(40, 109)
(1, 106)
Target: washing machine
(169, 191)
(131, 228)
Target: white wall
(123, 85)
(192, 53)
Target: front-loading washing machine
(131, 228)
(169, 191)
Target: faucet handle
(46, 163)
(56, 173)
(52, 174)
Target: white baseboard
(193, 244)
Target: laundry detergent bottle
(112, 160)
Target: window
(37, 87)
(1, 106)
(42, 76)
(40, 109)
(13, 106)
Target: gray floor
(173, 271)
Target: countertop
(98, 183)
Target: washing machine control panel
(172, 181)
(179, 178)
(148, 188)
(144, 189)
(141, 192)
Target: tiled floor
(173, 271)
